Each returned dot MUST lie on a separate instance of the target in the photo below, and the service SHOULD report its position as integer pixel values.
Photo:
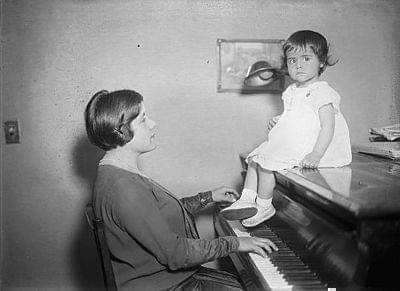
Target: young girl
(311, 132)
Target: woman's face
(143, 132)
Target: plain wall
(57, 54)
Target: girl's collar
(311, 86)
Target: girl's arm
(327, 120)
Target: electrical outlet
(11, 130)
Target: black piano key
(282, 254)
(284, 259)
(294, 267)
(283, 265)
(283, 251)
(277, 256)
(292, 279)
(301, 276)
(310, 287)
(298, 271)
(306, 282)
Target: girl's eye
(307, 58)
(291, 61)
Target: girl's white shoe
(240, 209)
(263, 214)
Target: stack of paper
(385, 133)
(389, 150)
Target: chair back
(97, 225)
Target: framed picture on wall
(250, 66)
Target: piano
(336, 229)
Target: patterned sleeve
(195, 203)
(325, 95)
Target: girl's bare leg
(265, 209)
(266, 183)
(250, 181)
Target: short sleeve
(323, 95)
(286, 96)
(287, 92)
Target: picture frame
(236, 58)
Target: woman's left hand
(224, 194)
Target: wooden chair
(97, 225)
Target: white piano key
(270, 272)
(238, 228)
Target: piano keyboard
(283, 269)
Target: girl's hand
(311, 161)
(257, 245)
(224, 194)
(272, 122)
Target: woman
(150, 233)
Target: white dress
(296, 132)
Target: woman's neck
(123, 155)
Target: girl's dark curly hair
(315, 41)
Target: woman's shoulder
(121, 194)
(122, 182)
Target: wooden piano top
(368, 188)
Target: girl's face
(303, 66)
(143, 132)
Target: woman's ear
(127, 132)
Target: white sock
(248, 195)
(264, 202)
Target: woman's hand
(272, 122)
(257, 245)
(224, 194)
(311, 161)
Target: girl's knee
(264, 171)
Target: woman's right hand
(272, 122)
(258, 245)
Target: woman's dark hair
(315, 41)
(108, 115)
